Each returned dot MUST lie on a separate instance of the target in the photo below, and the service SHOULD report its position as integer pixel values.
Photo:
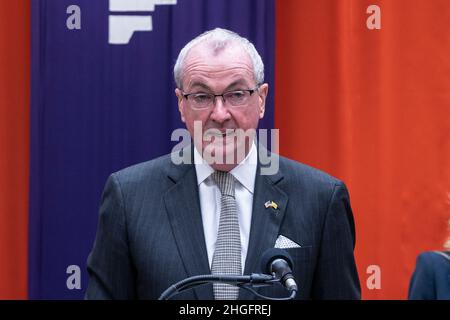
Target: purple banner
(103, 99)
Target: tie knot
(225, 182)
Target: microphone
(279, 262)
(276, 263)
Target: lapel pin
(271, 204)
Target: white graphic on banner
(137, 5)
(122, 27)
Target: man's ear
(262, 91)
(180, 98)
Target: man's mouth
(216, 133)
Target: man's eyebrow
(236, 83)
(200, 84)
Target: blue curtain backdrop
(99, 107)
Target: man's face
(215, 73)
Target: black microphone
(279, 262)
(276, 263)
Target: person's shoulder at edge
(428, 258)
(428, 279)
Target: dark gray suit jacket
(150, 232)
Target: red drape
(372, 107)
(14, 145)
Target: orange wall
(14, 145)
(372, 107)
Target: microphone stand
(245, 282)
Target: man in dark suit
(161, 222)
(431, 278)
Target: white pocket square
(285, 243)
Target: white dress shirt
(209, 194)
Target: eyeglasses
(235, 98)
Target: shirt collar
(244, 172)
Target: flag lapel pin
(271, 204)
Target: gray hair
(219, 39)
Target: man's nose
(220, 112)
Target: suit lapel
(183, 209)
(265, 223)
